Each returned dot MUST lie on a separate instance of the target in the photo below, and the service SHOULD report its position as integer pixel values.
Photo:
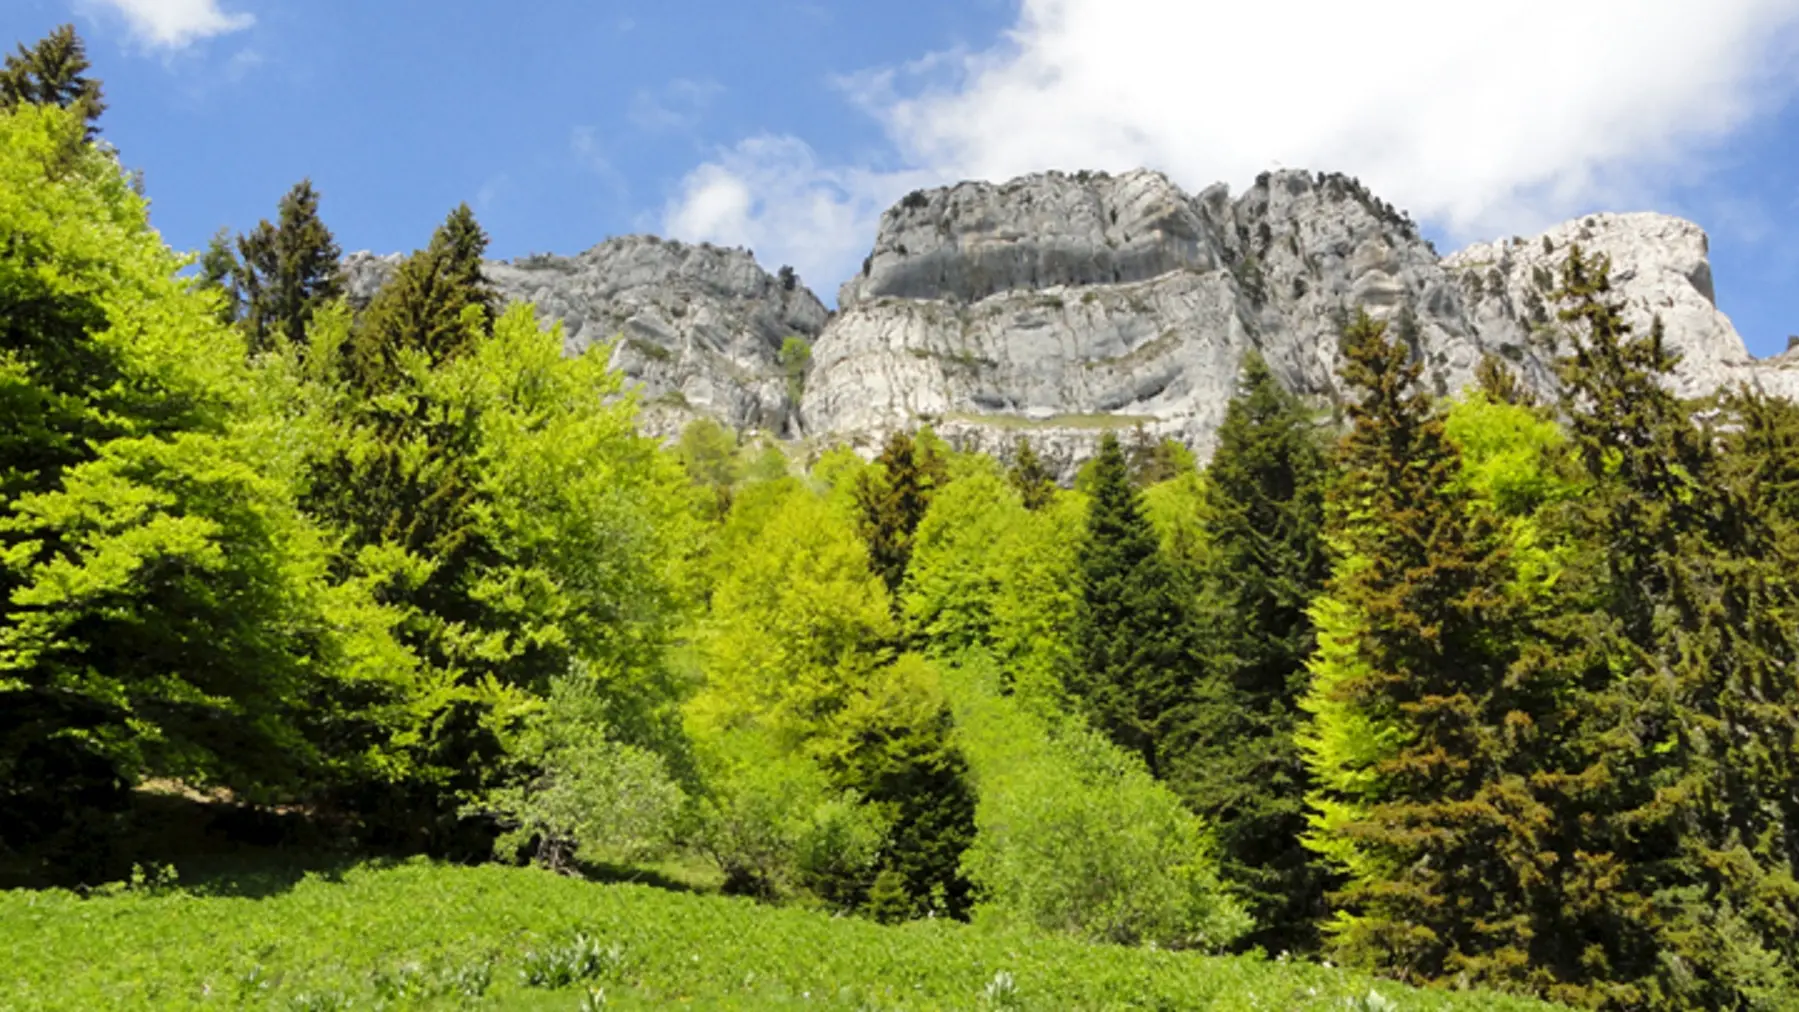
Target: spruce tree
(53, 72)
(408, 481)
(1684, 772)
(285, 271)
(1035, 485)
(891, 499)
(426, 307)
(1136, 655)
(1240, 767)
(1422, 719)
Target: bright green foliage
(1035, 486)
(53, 72)
(1074, 836)
(991, 575)
(502, 498)
(1136, 650)
(167, 611)
(283, 271)
(587, 797)
(795, 358)
(1238, 764)
(796, 653)
(456, 936)
(1425, 725)
(775, 824)
(892, 498)
(797, 619)
(708, 453)
(1680, 880)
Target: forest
(1483, 691)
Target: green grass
(419, 935)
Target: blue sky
(788, 125)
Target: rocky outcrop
(1059, 306)
(698, 328)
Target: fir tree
(1420, 718)
(285, 271)
(1684, 774)
(1135, 649)
(1035, 485)
(219, 270)
(53, 72)
(1241, 769)
(891, 499)
(1497, 380)
(434, 306)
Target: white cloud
(1483, 119)
(175, 24)
(679, 105)
(773, 196)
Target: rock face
(699, 328)
(1058, 306)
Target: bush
(1074, 836)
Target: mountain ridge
(1063, 305)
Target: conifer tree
(285, 271)
(891, 499)
(1497, 380)
(1035, 485)
(424, 308)
(1136, 654)
(1240, 767)
(1681, 873)
(1420, 717)
(219, 270)
(53, 72)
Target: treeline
(1473, 692)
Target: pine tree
(1240, 767)
(891, 499)
(1684, 772)
(1035, 485)
(1421, 717)
(1136, 654)
(52, 72)
(285, 271)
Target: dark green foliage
(1680, 626)
(219, 270)
(1497, 380)
(1420, 713)
(1136, 654)
(53, 72)
(1239, 766)
(891, 499)
(1035, 485)
(284, 271)
(432, 307)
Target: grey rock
(698, 328)
(1059, 306)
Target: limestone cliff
(698, 328)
